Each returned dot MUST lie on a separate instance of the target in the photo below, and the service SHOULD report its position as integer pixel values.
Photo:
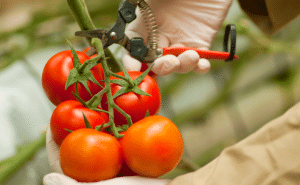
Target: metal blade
(101, 34)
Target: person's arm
(269, 156)
(271, 15)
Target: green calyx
(81, 73)
(129, 85)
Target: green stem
(82, 16)
(91, 102)
(11, 165)
(128, 117)
(97, 43)
(76, 95)
(114, 65)
(130, 81)
(127, 79)
(85, 64)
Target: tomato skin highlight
(134, 104)
(68, 115)
(55, 75)
(152, 146)
(88, 155)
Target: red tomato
(152, 146)
(134, 104)
(55, 75)
(68, 115)
(88, 155)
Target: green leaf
(82, 72)
(85, 85)
(125, 127)
(124, 70)
(139, 91)
(94, 102)
(71, 78)
(86, 122)
(10, 165)
(139, 79)
(119, 128)
(147, 113)
(68, 130)
(100, 110)
(79, 99)
(99, 127)
(75, 56)
(124, 90)
(85, 69)
(120, 82)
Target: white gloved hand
(59, 178)
(191, 23)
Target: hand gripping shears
(138, 48)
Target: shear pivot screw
(113, 35)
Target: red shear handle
(208, 54)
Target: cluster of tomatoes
(150, 147)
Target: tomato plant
(55, 75)
(135, 105)
(69, 115)
(152, 146)
(88, 155)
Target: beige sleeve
(269, 156)
(271, 15)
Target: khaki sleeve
(271, 15)
(271, 155)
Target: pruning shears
(137, 47)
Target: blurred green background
(213, 111)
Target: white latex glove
(57, 178)
(191, 23)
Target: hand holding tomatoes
(150, 147)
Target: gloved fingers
(191, 61)
(188, 61)
(202, 67)
(53, 153)
(166, 65)
(56, 178)
(134, 180)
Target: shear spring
(151, 24)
